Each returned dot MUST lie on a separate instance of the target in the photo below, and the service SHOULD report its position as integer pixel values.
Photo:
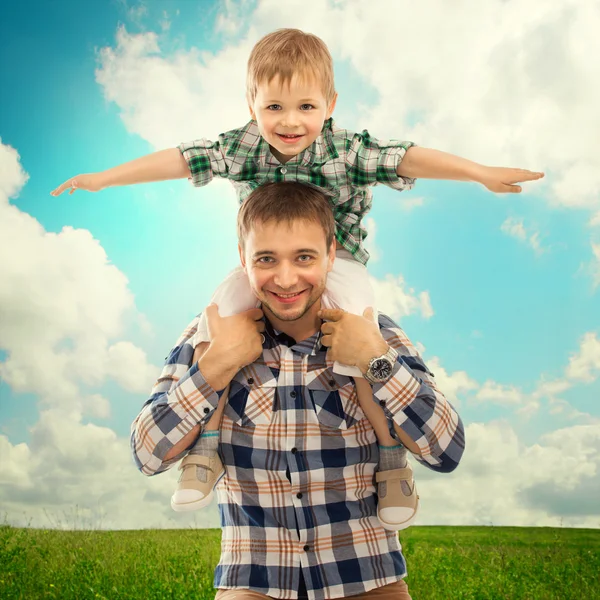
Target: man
(298, 502)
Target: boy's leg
(349, 287)
(202, 468)
(398, 500)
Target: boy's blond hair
(289, 52)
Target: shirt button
(332, 382)
(382, 402)
(250, 381)
(283, 170)
(293, 394)
(294, 450)
(299, 495)
(206, 411)
(306, 548)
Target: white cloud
(515, 228)
(585, 365)
(395, 300)
(371, 227)
(452, 385)
(410, 203)
(64, 309)
(502, 481)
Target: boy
(291, 96)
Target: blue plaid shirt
(299, 493)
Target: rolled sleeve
(373, 161)
(205, 160)
(412, 401)
(181, 399)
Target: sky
(500, 293)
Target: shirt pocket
(335, 401)
(252, 396)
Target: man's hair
(286, 202)
(289, 52)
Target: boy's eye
(273, 107)
(306, 106)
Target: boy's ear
(252, 114)
(332, 106)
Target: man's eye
(305, 258)
(265, 259)
(306, 106)
(273, 107)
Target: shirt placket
(290, 387)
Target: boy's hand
(502, 180)
(90, 182)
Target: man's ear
(242, 257)
(332, 106)
(331, 256)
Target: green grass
(443, 563)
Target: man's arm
(425, 163)
(419, 415)
(188, 391)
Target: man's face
(290, 117)
(287, 265)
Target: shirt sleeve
(412, 400)
(370, 161)
(205, 159)
(180, 399)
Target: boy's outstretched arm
(158, 166)
(425, 163)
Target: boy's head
(290, 89)
(287, 247)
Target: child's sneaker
(398, 500)
(192, 492)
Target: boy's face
(290, 117)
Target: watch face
(381, 369)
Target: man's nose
(286, 277)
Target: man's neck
(300, 329)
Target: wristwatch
(380, 367)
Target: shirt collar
(274, 338)
(319, 152)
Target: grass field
(443, 563)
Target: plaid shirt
(300, 456)
(342, 164)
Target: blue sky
(501, 291)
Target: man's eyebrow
(272, 253)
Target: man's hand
(90, 182)
(237, 339)
(352, 339)
(502, 180)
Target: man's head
(290, 89)
(287, 246)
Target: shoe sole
(196, 504)
(403, 524)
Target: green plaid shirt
(342, 164)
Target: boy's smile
(290, 117)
